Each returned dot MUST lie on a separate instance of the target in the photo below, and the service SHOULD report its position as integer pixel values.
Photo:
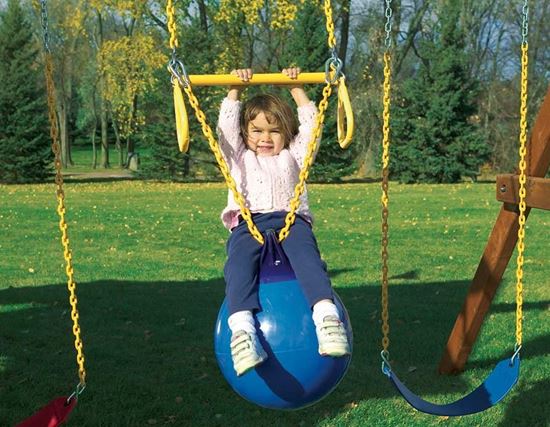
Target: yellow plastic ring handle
(345, 123)
(182, 122)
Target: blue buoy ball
(295, 375)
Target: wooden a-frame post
(501, 243)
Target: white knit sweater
(266, 182)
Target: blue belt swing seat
(495, 387)
(506, 373)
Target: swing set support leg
(498, 251)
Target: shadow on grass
(150, 357)
(529, 406)
(98, 180)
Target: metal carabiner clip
(75, 394)
(333, 69)
(177, 69)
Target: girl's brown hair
(276, 110)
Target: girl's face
(264, 138)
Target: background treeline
(456, 67)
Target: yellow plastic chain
(172, 28)
(522, 179)
(385, 199)
(329, 25)
(214, 146)
(71, 284)
(308, 161)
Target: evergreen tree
(436, 137)
(25, 154)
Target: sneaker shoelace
(333, 329)
(241, 343)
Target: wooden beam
(537, 191)
(496, 256)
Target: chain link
(333, 65)
(330, 26)
(385, 199)
(385, 184)
(522, 166)
(63, 227)
(44, 21)
(308, 162)
(388, 26)
(214, 146)
(524, 22)
(172, 27)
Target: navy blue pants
(241, 269)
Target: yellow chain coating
(385, 199)
(214, 146)
(207, 131)
(522, 194)
(330, 25)
(71, 284)
(172, 29)
(310, 155)
(308, 161)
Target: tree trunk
(344, 31)
(414, 28)
(104, 140)
(63, 131)
(130, 145)
(187, 163)
(203, 16)
(94, 148)
(103, 103)
(118, 144)
(65, 110)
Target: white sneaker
(246, 352)
(332, 337)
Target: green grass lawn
(149, 259)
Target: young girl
(265, 146)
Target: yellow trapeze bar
(257, 79)
(345, 121)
